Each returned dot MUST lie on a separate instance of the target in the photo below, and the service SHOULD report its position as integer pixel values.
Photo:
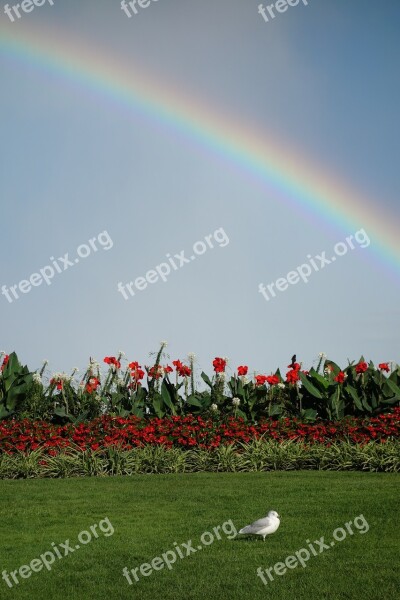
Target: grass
(150, 513)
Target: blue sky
(322, 78)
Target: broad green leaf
(206, 379)
(311, 389)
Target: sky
(317, 84)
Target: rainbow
(302, 185)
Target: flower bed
(188, 432)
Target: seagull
(265, 526)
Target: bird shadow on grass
(248, 538)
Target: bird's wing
(257, 526)
(261, 523)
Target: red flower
(92, 385)
(384, 367)
(272, 379)
(136, 371)
(111, 360)
(168, 369)
(361, 367)
(5, 362)
(261, 379)
(340, 377)
(219, 365)
(185, 371)
(294, 366)
(242, 370)
(155, 372)
(292, 376)
(57, 382)
(181, 369)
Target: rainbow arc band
(278, 167)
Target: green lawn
(150, 513)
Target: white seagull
(265, 526)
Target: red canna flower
(384, 367)
(111, 360)
(219, 365)
(57, 382)
(168, 369)
(181, 369)
(243, 370)
(156, 372)
(361, 367)
(136, 371)
(261, 379)
(273, 379)
(292, 376)
(340, 377)
(92, 385)
(295, 366)
(185, 371)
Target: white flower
(221, 376)
(214, 407)
(281, 385)
(163, 344)
(236, 401)
(61, 377)
(121, 353)
(36, 378)
(120, 381)
(191, 356)
(322, 355)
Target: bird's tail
(246, 529)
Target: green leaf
(206, 379)
(309, 386)
(193, 401)
(354, 396)
(314, 375)
(275, 410)
(391, 401)
(166, 396)
(392, 386)
(310, 414)
(157, 405)
(335, 368)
